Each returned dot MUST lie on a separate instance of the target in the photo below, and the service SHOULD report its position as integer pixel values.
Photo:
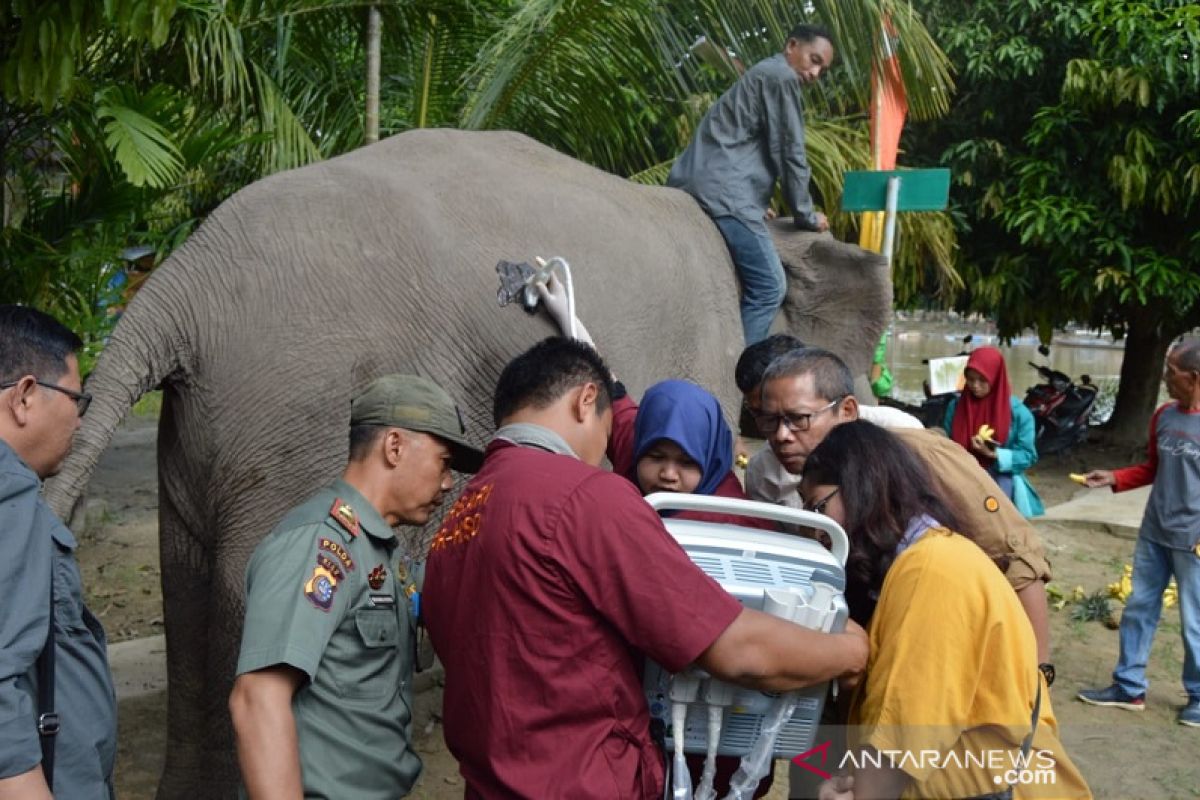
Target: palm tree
(193, 100)
(621, 83)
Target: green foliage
(47, 42)
(551, 71)
(1095, 607)
(1075, 149)
(1075, 158)
(127, 121)
(142, 146)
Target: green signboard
(920, 190)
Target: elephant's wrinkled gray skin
(304, 286)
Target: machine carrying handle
(676, 501)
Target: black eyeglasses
(819, 506)
(82, 399)
(767, 424)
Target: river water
(1075, 352)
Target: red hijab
(995, 409)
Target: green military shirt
(323, 596)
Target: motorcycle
(1061, 408)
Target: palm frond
(143, 148)
(289, 144)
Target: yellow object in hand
(985, 432)
(1078, 478)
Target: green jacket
(324, 594)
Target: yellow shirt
(952, 678)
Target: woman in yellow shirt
(952, 685)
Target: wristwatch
(1047, 673)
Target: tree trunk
(1146, 343)
(374, 34)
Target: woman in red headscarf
(996, 428)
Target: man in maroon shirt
(551, 579)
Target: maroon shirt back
(544, 587)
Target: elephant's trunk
(144, 349)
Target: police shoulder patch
(344, 515)
(991, 504)
(320, 588)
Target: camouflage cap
(417, 404)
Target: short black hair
(33, 343)
(547, 371)
(830, 375)
(805, 32)
(362, 437)
(755, 359)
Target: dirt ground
(1123, 755)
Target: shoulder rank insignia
(377, 576)
(345, 516)
(320, 587)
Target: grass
(149, 406)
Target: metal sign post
(893, 191)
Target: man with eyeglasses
(58, 725)
(805, 393)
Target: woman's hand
(982, 447)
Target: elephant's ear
(839, 295)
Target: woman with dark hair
(882, 530)
(952, 689)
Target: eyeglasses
(819, 506)
(82, 399)
(767, 424)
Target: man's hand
(771, 214)
(822, 222)
(554, 297)
(1099, 477)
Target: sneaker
(1114, 696)
(1190, 714)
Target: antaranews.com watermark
(986, 757)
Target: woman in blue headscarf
(677, 441)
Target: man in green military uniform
(322, 702)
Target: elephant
(304, 286)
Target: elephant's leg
(187, 586)
(226, 608)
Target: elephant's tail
(146, 346)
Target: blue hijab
(683, 413)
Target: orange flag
(889, 106)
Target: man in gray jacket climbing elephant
(752, 137)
